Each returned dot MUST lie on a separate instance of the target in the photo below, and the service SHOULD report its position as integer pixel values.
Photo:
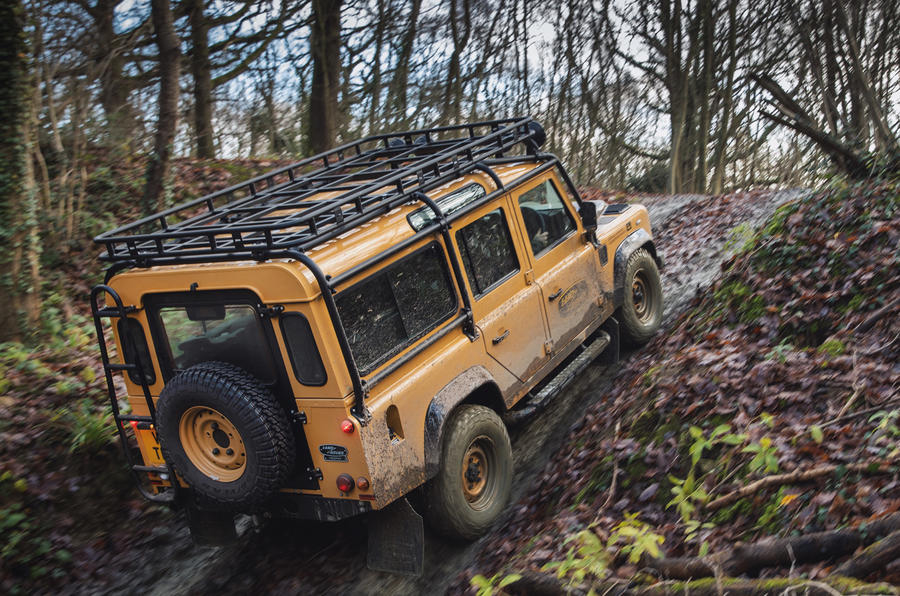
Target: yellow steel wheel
(472, 487)
(212, 443)
(226, 436)
(640, 315)
(476, 469)
(641, 297)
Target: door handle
(500, 337)
(554, 295)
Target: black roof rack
(285, 209)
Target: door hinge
(271, 311)
(529, 277)
(314, 473)
(299, 417)
(548, 347)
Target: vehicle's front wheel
(472, 487)
(641, 312)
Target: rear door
(565, 265)
(506, 303)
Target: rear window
(215, 332)
(396, 306)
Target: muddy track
(694, 233)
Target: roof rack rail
(314, 200)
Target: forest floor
(779, 347)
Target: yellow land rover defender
(323, 340)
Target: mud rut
(308, 558)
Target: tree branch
(790, 478)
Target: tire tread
(270, 434)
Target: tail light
(345, 483)
(347, 426)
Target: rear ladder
(121, 312)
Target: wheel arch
(638, 239)
(476, 386)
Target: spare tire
(225, 435)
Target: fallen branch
(748, 558)
(858, 413)
(828, 586)
(794, 477)
(874, 558)
(876, 316)
(857, 389)
(615, 477)
(539, 584)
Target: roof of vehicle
(363, 242)
(318, 201)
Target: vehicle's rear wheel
(472, 487)
(641, 312)
(225, 434)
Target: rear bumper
(303, 506)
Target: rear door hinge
(314, 473)
(270, 311)
(299, 417)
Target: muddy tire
(641, 312)
(472, 487)
(225, 435)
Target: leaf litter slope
(792, 354)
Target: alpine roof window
(449, 204)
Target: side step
(542, 398)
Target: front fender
(640, 238)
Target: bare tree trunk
(725, 119)
(375, 85)
(453, 86)
(18, 219)
(325, 47)
(885, 139)
(200, 68)
(169, 54)
(397, 97)
(703, 96)
(114, 87)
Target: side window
(547, 221)
(134, 346)
(396, 306)
(301, 345)
(487, 251)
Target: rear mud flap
(211, 528)
(396, 539)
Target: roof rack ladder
(121, 312)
